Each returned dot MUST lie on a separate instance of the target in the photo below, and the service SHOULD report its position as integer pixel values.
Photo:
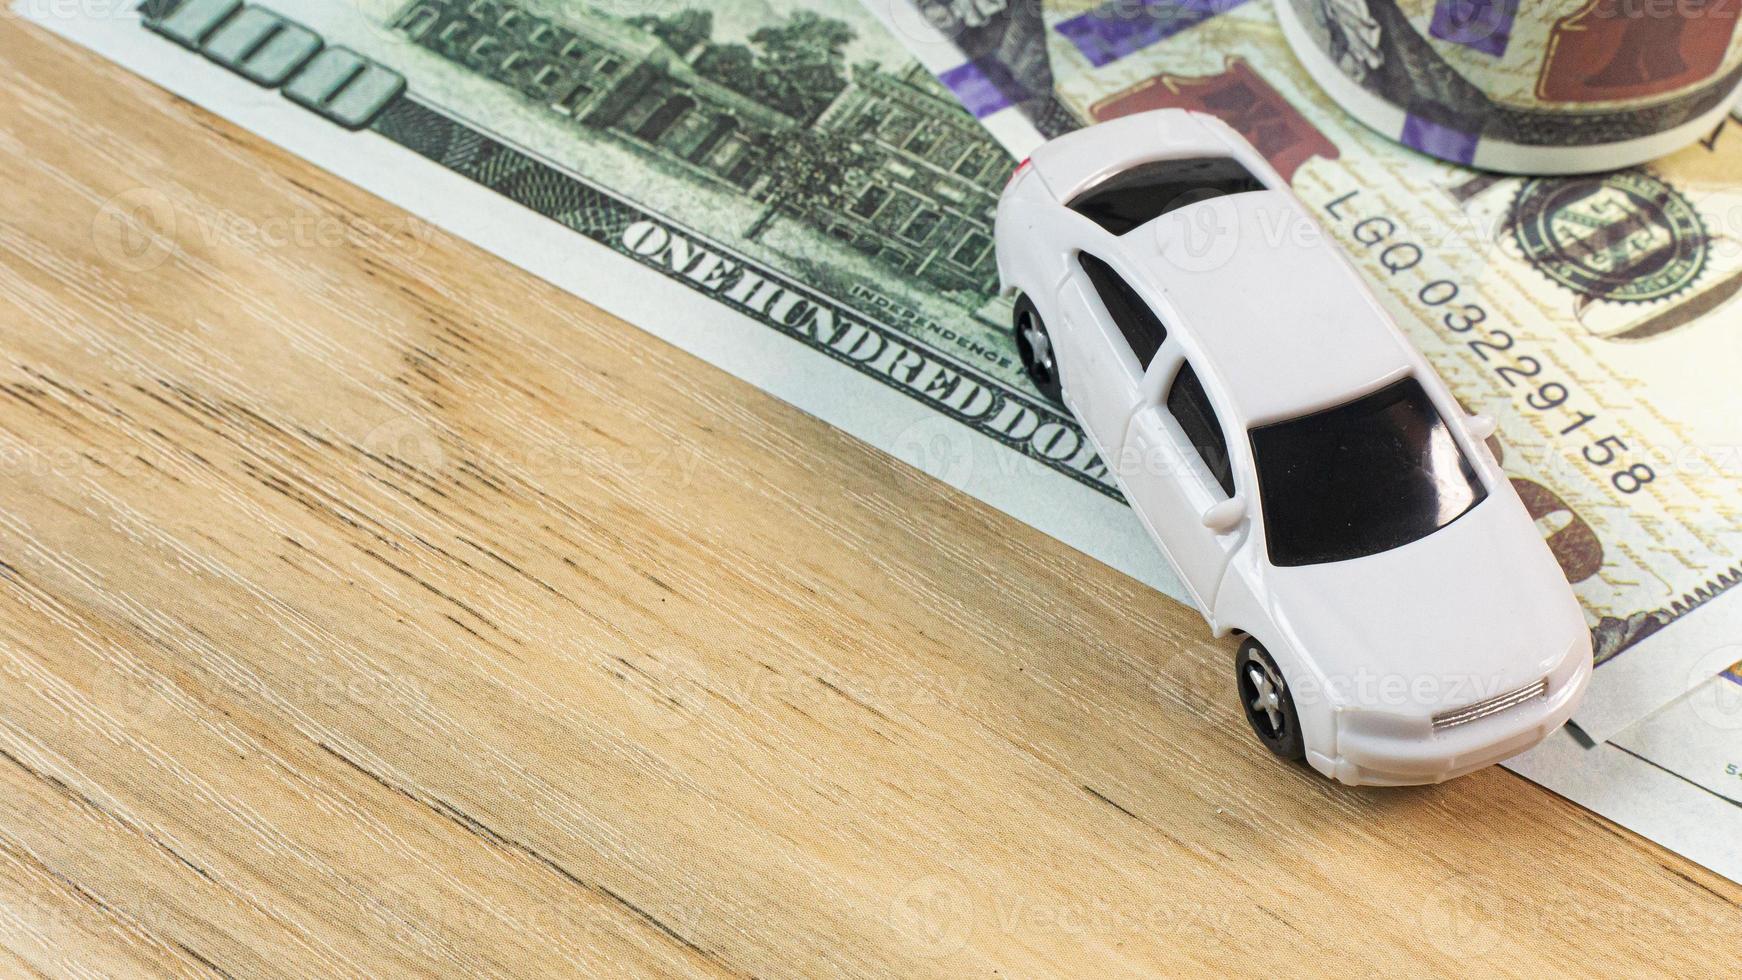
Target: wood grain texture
(368, 607)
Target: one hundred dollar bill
(783, 192)
(1698, 737)
(1596, 316)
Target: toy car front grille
(1494, 705)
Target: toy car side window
(1190, 407)
(1143, 330)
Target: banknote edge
(1081, 517)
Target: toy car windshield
(1368, 476)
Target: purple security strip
(984, 86)
(1438, 140)
(1481, 25)
(1119, 27)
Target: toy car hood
(1476, 609)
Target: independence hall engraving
(924, 208)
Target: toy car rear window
(1149, 190)
(1365, 477)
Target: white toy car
(1310, 478)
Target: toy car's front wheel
(1265, 698)
(1034, 346)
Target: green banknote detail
(797, 168)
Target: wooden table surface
(369, 607)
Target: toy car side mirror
(1225, 515)
(1481, 426)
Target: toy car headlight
(1383, 724)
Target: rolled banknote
(1526, 86)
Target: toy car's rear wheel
(1265, 698)
(1034, 346)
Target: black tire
(1034, 345)
(1265, 698)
